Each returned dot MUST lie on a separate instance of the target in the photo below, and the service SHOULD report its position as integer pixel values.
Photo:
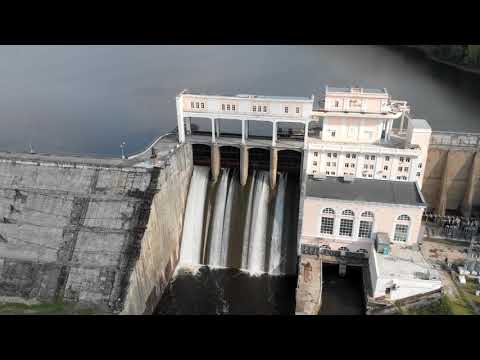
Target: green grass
(43, 309)
(443, 306)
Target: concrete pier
(309, 286)
(472, 183)
(215, 161)
(342, 270)
(273, 167)
(446, 179)
(243, 165)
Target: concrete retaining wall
(103, 236)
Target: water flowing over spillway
(252, 228)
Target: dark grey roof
(379, 191)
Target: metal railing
(452, 138)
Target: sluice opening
(342, 295)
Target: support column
(442, 199)
(243, 132)
(213, 130)
(342, 270)
(180, 120)
(215, 161)
(309, 286)
(305, 138)
(243, 164)
(246, 129)
(274, 133)
(217, 127)
(188, 124)
(401, 122)
(472, 183)
(273, 167)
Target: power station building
(360, 196)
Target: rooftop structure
(363, 190)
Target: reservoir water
(88, 99)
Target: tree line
(458, 54)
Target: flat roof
(355, 90)
(420, 124)
(251, 96)
(365, 190)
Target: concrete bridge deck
(251, 142)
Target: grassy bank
(444, 306)
(44, 309)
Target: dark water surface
(228, 291)
(89, 99)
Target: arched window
(348, 213)
(366, 225)
(402, 227)
(367, 214)
(328, 219)
(346, 223)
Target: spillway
(230, 226)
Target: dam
(322, 184)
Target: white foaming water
(248, 221)
(191, 246)
(277, 263)
(215, 250)
(254, 253)
(258, 230)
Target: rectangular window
(352, 165)
(399, 178)
(354, 156)
(371, 167)
(401, 233)
(420, 166)
(387, 158)
(333, 133)
(333, 172)
(197, 105)
(233, 107)
(367, 157)
(385, 168)
(401, 159)
(202, 105)
(405, 169)
(327, 172)
(328, 164)
(228, 107)
(286, 109)
(373, 157)
(334, 155)
(400, 168)
(314, 171)
(223, 107)
(346, 227)
(327, 225)
(365, 166)
(297, 110)
(407, 159)
(334, 164)
(192, 104)
(315, 163)
(348, 156)
(254, 108)
(404, 177)
(370, 175)
(329, 155)
(315, 154)
(418, 174)
(264, 109)
(346, 165)
(365, 229)
(384, 176)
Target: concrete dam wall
(104, 233)
(451, 179)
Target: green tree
(473, 54)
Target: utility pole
(122, 145)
